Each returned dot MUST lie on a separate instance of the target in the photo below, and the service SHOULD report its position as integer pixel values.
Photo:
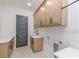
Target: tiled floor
(26, 52)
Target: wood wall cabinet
(6, 49)
(50, 13)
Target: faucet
(36, 31)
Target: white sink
(37, 36)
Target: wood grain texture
(39, 7)
(56, 12)
(53, 15)
(43, 15)
(64, 13)
(6, 50)
(37, 44)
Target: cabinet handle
(10, 46)
(50, 20)
(32, 41)
(41, 23)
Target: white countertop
(67, 53)
(36, 36)
(5, 39)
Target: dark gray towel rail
(70, 4)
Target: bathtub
(67, 53)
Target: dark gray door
(21, 31)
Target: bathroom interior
(39, 29)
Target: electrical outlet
(48, 37)
(60, 42)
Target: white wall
(0, 15)
(69, 35)
(8, 21)
(74, 25)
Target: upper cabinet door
(49, 11)
(43, 19)
(53, 12)
(37, 19)
(64, 13)
(57, 12)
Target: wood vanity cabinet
(6, 49)
(36, 43)
(50, 13)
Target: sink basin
(37, 36)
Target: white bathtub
(67, 53)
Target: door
(21, 31)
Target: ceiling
(23, 3)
